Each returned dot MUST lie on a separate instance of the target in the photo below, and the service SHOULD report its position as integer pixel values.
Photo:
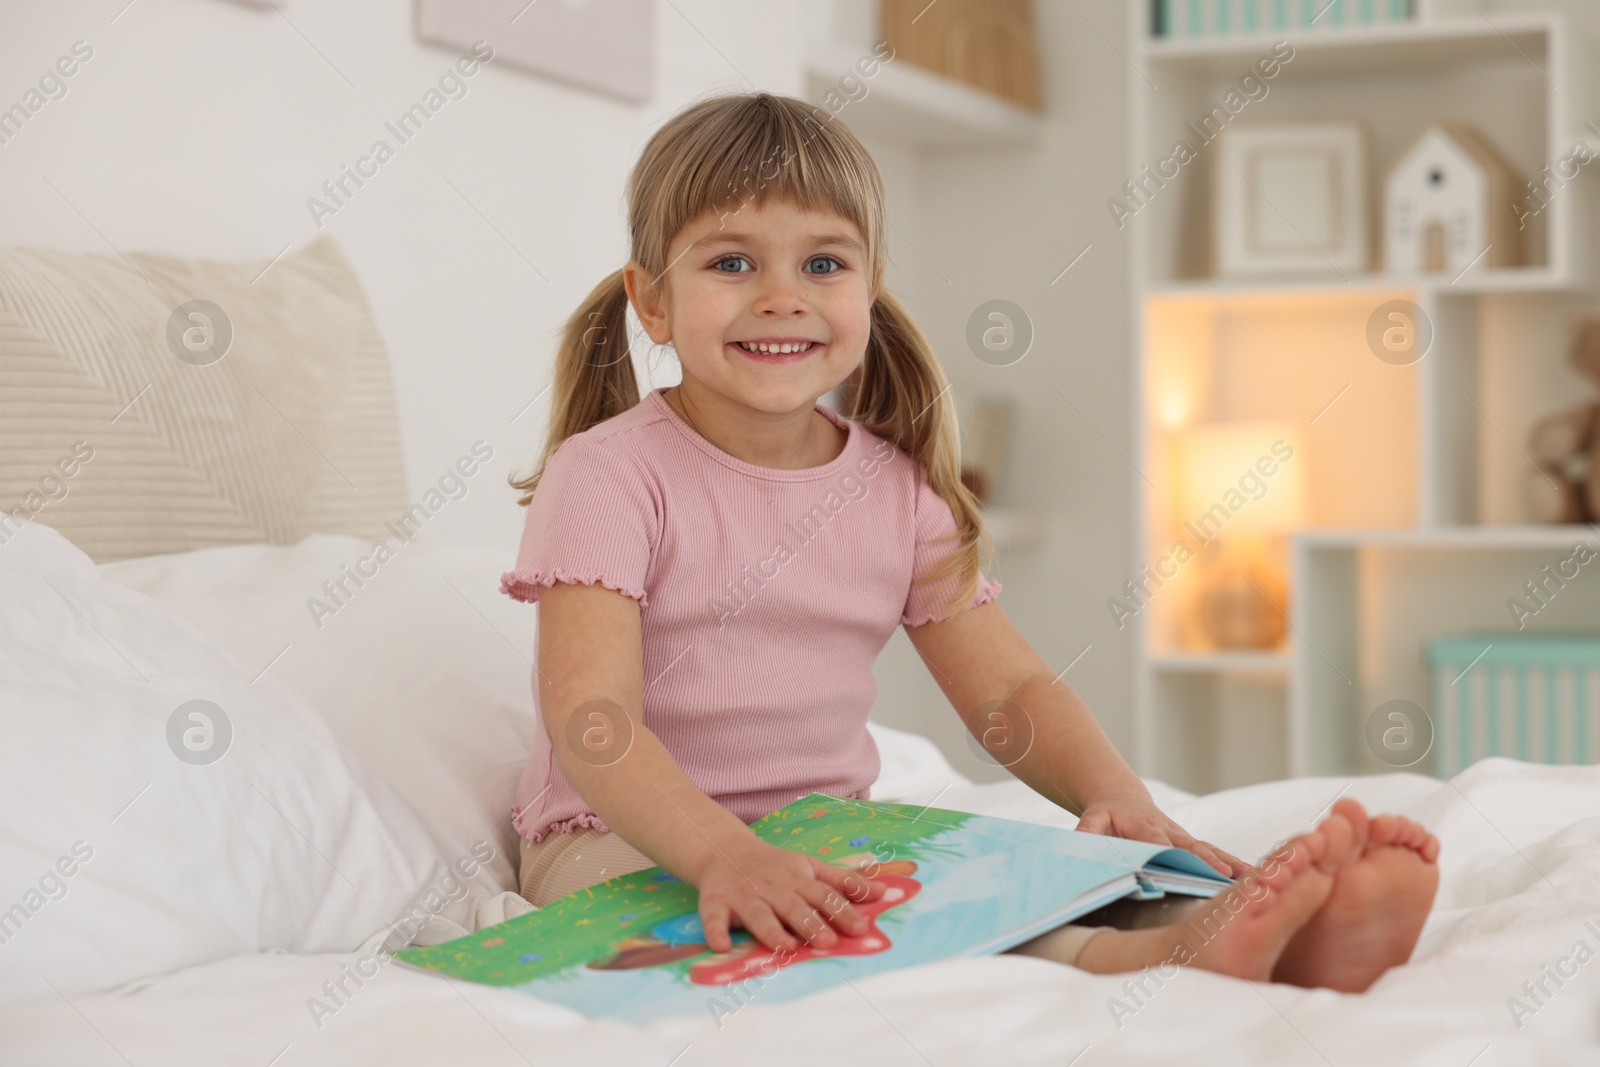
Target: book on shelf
(956, 884)
(1231, 18)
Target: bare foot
(1375, 913)
(1242, 930)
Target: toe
(1300, 853)
(1294, 858)
(1337, 837)
(1384, 829)
(1356, 816)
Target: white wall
(200, 127)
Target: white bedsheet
(1521, 877)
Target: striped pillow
(152, 404)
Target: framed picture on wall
(1292, 196)
(604, 45)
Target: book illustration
(684, 938)
(956, 884)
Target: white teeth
(773, 350)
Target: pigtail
(900, 392)
(594, 378)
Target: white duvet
(1507, 972)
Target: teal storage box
(1532, 697)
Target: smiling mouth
(778, 353)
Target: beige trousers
(562, 864)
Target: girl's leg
(562, 864)
(1242, 931)
(1063, 944)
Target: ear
(646, 300)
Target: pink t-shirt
(765, 596)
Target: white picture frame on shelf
(1293, 196)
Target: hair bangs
(760, 148)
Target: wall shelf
(1418, 45)
(1446, 537)
(1504, 280)
(917, 107)
(1223, 662)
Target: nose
(781, 294)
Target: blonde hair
(737, 149)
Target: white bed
(421, 679)
(157, 908)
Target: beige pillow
(136, 421)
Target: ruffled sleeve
(936, 526)
(593, 519)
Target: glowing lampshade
(1243, 478)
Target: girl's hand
(1138, 819)
(762, 887)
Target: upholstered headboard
(154, 404)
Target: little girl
(718, 566)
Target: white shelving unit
(1415, 525)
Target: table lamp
(1243, 483)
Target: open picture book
(956, 884)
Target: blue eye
(717, 264)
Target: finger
(1207, 853)
(861, 886)
(758, 917)
(854, 885)
(835, 908)
(1095, 822)
(1211, 856)
(1204, 851)
(810, 923)
(714, 920)
(797, 915)
(1225, 864)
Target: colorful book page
(957, 884)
